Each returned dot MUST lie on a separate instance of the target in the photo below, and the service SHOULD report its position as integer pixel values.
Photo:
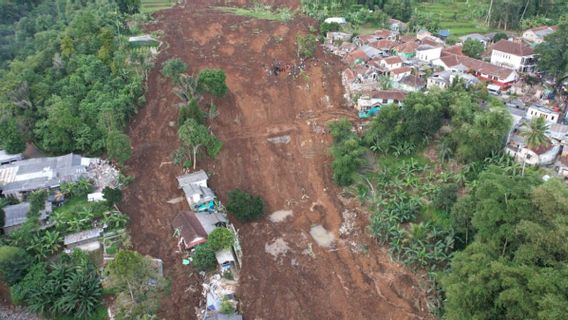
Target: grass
(455, 17)
(261, 12)
(151, 6)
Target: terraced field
(454, 16)
(150, 6)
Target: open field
(287, 273)
(454, 16)
(150, 6)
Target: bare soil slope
(286, 274)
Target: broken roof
(33, 174)
(408, 47)
(383, 44)
(190, 228)
(514, 48)
(388, 95)
(543, 31)
(413, 81)
(401, 70)
(392, 60)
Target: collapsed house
(21, 177)
(189, 230)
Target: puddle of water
(280, 215)
(323, 237)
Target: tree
(446, 196)
(536, 133)
(112, 195)
(137, 284)
(347, 152)
(118, 146)
(14, 264)
(173, 69)
(220, 238)
(191, 111)
(328, 27)
(213, 82)
(307, 45)
(500, 36)
(552, 57)
(473, 48)
(194, 136)
(203, 258)
(10, 138)
(129, 6)
(244, 206)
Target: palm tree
(536, 133)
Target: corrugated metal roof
(192, 178)
(82, 236)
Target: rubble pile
(103, 174)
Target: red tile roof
(407, 38)
(453, 50)
(401, 70)
(477, 66)
(392, 60)
(408, 47)
(190, 229)
(356, 55)
(514, 48)
(383, 33)
(388, 94)
(383, 44)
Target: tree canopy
(473, 48)
(552, 57)
(245, 206)
(213, 82)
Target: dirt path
(286, 274)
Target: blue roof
(444, 33)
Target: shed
(87, 240)
(143, 40)
(95, 197)
(198, 195)
(191, 232)
(15, 215)
(338, 20)
(225, 259)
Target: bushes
(14, 264)
(307, 45)
(81, 188)
(445, 197)
(347, 152)
(112, 196)
(203, 258)
(118, 147)
(213, 82)
(244, 206)
(173, 69)
(220, 238)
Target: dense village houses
(517, 56)
(21, 177)
(536, 35)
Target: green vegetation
(552, 57)
(220, 238)
(129, 6)
(112, 196)
(118, 147)
(459, 17)
(68, 75)
(14, 264)
(347, 152)
(244, 206)
(307, 45)
(151, 6)
(203, 258)
(212, 81)
(194, 136)
(473, 48)
(516, 267)
(536, 133)
(70, 286)
(11, 139)
(260, 11)
(136, 283)
(173, 69)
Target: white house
(197, 194)
(536, 35)
(476, 36)
(391, 63)
(535, 111)
(338, 20)
(513, 55)
(378, 98)
(428, 53)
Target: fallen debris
(280, 139)
(323, 237)
(277, 248)
(280, 215)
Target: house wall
(506, 59)
(398, 77)
(549, 117)
(429, 55)
(434, 82)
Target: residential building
(501, 76)
(399, 73)
(338, 37)
(423, 34)
(189, 230)
(383, 45)
(444, 34)
(24, 176)
(365, 39)
(6, 158)
(406, 50)
(87, 240)
(379, 98)
(356, 57)
(426, 52)
(338, 20)
(390, 63)
(535, 111)
(199, 196)
(513, 55)
(476, 36)
(536, 35)
(15, 215)
(411, 83)
(371, 52)
(517, 148)
(397, 25)
(444, 79)
(385, 34)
